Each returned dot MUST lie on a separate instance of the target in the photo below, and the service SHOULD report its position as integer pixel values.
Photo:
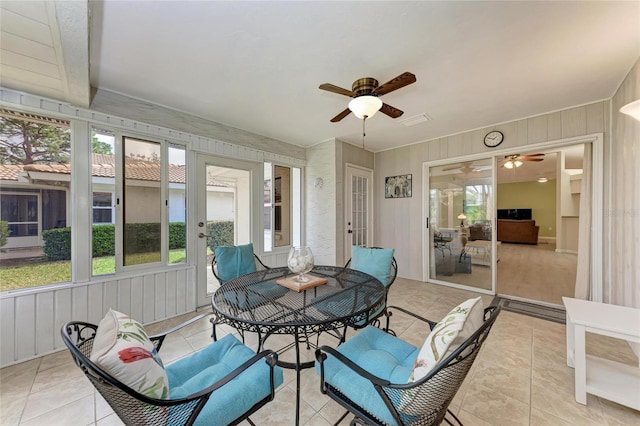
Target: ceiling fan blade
(534, 155)
(392, 112)
(340, 116)
(335, 89)
(468, 165)
(395, 84)
(531, 159)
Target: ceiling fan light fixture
(632, 109)
(543, 179)
(517, 163)
(365, 106)
(508, 164)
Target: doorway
(358, 208)
(589, 250)
(225, 210)
(538, 211)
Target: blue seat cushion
(375, 262)
(234, 261)
(205, 367)
(380, 353)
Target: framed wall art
(397, 186)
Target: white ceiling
(44, 49)
(257, 65)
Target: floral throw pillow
(456, 327)
(123, 349)
(447, 335)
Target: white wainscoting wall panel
(31, 321)
(275, 259)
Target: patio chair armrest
(321, 357)
(158, 339)
(431, 323)
(269, 356)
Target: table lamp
(462, 217)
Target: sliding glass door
(461, 242)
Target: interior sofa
(480, 230)
(518, 231)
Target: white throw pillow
(123, 349)
(453, 330)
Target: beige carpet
(536, 272)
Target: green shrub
(57, 244)
(220, 233)
(104, 240)
(140, 237)
(4, 232)
(177, 235)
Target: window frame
(110, 208)
(164, 144)
(296, 178)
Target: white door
(225, 214)
(358, 208)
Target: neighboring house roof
(104, 166)
(10, 171)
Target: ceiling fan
(467, 167)
(516, 160)
(366, 92)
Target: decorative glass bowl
(300, 261)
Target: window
(137, 212)
(177, 204)
(477, 200)
(103, 208)
(142, 202)
(20, 211)
(282, 206)
(35, 176)
(103, 184)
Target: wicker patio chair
(238, 261)
(229, 275)
(374, 319)
(208, 405)
(387, 397)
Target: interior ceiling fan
(366, 92)
(467, 167)
(516, 160)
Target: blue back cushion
(234, 261)
(376, 262)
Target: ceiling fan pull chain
(363, 134)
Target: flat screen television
(516, 214)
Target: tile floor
(519, 378)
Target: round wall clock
(493, 139)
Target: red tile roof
(103, 166)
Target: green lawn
(34, 274)
(43, 272)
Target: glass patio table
(256, 303)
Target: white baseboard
(547, 240)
